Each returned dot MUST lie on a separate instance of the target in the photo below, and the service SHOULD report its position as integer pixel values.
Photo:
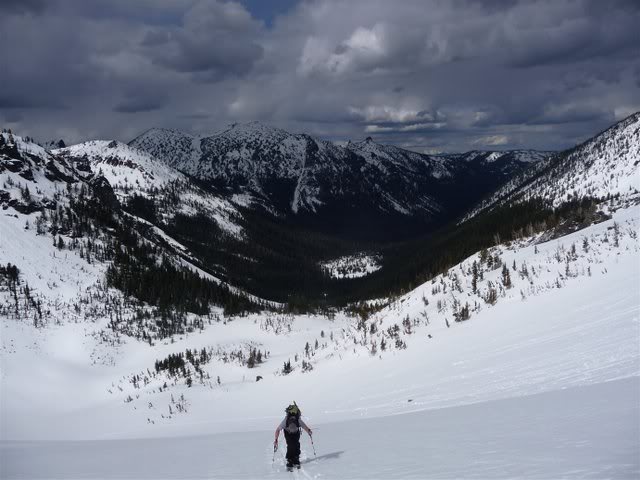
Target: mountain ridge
(310, 180)
(607, 164)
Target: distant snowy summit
(318, 182)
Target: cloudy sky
(432, 76)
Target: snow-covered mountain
(307, 177)
(126, 168)
(133, 172)
(551, 344)
(603, 166)
(174, 147)
(97, 200)
(117, 322)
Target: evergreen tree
(506, 277)
(474, 277)
(251, 362)
(287, 367)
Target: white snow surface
(544, 384)
(352, 266)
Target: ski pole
(314, 447)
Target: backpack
(292, 422)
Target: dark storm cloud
(573, 114)
(22, 6)
(215, 40)
(197, 56)
(136, 101)
(429, 75)
(575, 41)
(155, 38)
(11, 102)
(196, 116)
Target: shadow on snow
(322, 457)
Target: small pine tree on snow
(26, 194)
(474, 277)
(492, 296)
(251, 361)
(506, 277)
(286, 369)
(462, 314)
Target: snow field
(538, 385)
(582, 432)
(353, 266)
(583, 333)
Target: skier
(291, 426)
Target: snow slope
(607, 164)
(131, 171)
(582, 432)
(26, 165)
(172, 146)
(542, 384)
(126, 168)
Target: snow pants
(293, 447)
